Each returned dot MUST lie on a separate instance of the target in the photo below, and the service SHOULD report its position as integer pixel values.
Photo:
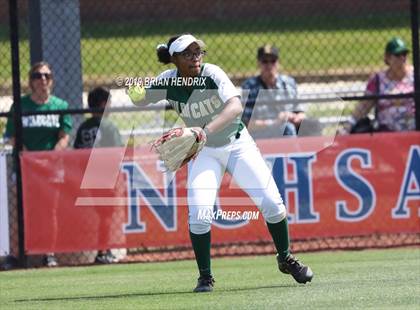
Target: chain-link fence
(331, 48)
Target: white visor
(180, 44)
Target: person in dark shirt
(98, 131)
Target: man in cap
(270, 97)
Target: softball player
(213, 103)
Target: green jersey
(97, 132)
(40, 132)
(198, 100)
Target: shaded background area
(319, 40)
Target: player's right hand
(136, 93)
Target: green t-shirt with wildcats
(198, 100)
(40, 132)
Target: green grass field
(107, 58)
(308, 44)
(370, 279)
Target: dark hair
(163, 50)
(97, 96)
(38, 65)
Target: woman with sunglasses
(42, 132)
(47, 131)
(213, 106)
(392, 114)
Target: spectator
(98, 131)
(311, 126)
(390, 114)
(43, 132)
(266, 118)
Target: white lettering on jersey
(51, 121)
(198, 109)
(215, 102)
(89, 135)
(184, 110)
(207, 103)
(194, 110)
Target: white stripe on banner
(4, 214)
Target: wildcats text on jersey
(51, 120)
(197, 109)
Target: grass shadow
(116, 296)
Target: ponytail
(162, 51)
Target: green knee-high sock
(201, 246)
(280, 233)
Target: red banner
(115, 198)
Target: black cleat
(105, 258)
(50, 260)
(10, 262)
(292, 266)
(204, 284)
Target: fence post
(14, 42)
(54, 32)
(416, 54)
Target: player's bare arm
(231, 111)
(363, 108)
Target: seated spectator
(43, 132)
(265, 116)
(390, 114)
(311, 126)
(98, 131)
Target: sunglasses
(190, 55)
(39, 75)
(403, 54)
(268, 61)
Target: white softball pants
(243, 160)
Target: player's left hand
(178, 146)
